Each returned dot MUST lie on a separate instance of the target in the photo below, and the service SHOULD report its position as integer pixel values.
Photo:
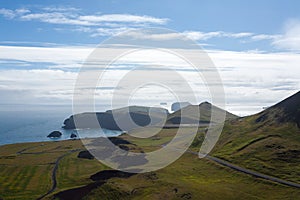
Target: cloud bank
(251, 79)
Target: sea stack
(55, 134)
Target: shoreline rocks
(55, 134)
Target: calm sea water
(19, 123)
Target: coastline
(81, 134)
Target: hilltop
(267, 142)
(285, 111)
(194, 111)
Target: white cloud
(251, 79)
(21, 86)
(194, 35)
(10, 14)
(123, 18)
(265, 37)
(95, 25)
(71, 16)
(22, 11)
(60, 9)
(7, 13)
(238, 35)
(56, 18)
(107, 31)
(110, 24)
(290, 40)
(59, 55)
(197, 35)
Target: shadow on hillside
(100, 178)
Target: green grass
(198, 179)
(75, 172)
(200, 112)
(27, 176)
(23, 182)
(265, 147)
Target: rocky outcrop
(85, 155)
(179, 105)
(55, 134)
(73, 135)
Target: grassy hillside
(267, 142)
(26, 169)
(26, 174)
(191, 178)
(193, 114)
(187, 178)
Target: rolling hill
(268, 142)
(193, 115)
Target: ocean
(19, 123)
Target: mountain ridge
(267, 142)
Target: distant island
(145, 116)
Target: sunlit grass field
(26, 169)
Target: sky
(255, 45)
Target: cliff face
(128, 118)
(132, 117)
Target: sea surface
(19, 123)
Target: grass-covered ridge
(267, 142)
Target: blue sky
(44, 43)
(255, 17)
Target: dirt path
(246, 171)
(250, 172)
(54, 170)
(26, 149)
(53, 176)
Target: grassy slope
(203, 108)
(268, 142)
(190, 177)
(27, 176)
(270, 149)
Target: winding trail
(54, 170)
(26, 149)
(249, 172)
(253, 173)
(53, 176)
(245, 171)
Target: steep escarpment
(119, 119)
